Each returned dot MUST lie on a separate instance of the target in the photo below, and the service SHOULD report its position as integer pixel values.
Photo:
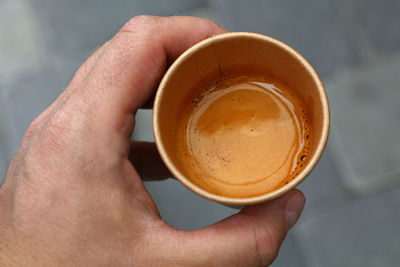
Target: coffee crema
(242, 136)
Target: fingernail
(294, 207)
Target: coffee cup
(240, 118)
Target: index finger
(133, 63)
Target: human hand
(72, 194)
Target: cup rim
(259, 198)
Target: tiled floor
(352, 213)
(364, 232)
(313, 27)
(365, 107)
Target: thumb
(250, 238)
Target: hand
(72, 194)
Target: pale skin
(73, 195)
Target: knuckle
(140, 23)
(48, 134)
(31, 130)
(52, 135)
(267, 245)
(54, 132)
(208, 27)
(35, 126)
(209, 22)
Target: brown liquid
(243, 136)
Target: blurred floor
(352, 214)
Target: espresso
(242, 136)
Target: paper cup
(229, 54)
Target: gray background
(352, 213)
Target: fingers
(147, 161)
(250, 238)
(130, 67)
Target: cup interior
(231, 54)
